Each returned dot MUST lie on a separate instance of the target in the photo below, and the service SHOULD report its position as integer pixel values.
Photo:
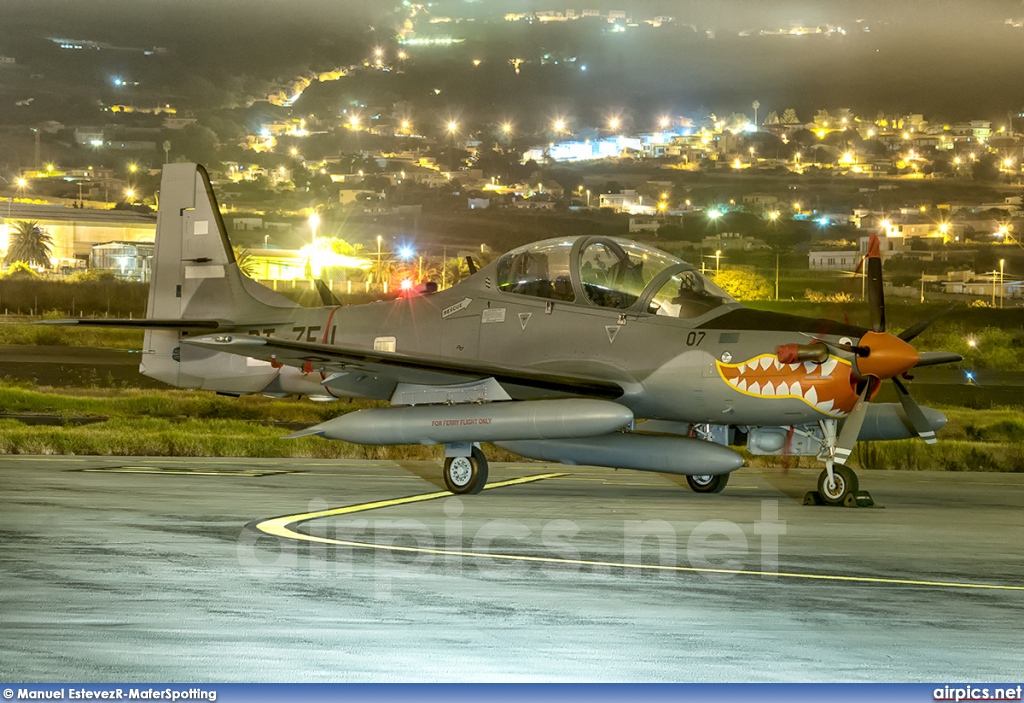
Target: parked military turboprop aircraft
(581, 350)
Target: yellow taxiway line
(282, 527)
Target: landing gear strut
(837, 484)
(465, 474)
(708, 483)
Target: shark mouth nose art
(825, 387)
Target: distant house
(89, 136)
(479, 203)
(833, 260)
(985, 287)
(732, 241)
(626, 201)
(247, 223)
(644, 224)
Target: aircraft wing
(404, 368)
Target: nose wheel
(466, 474)
(842, 483)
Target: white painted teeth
(754, 388)
(734, 381)
(794, 367)
(768, 389)
(795, 389)
(811, 396)
(809, 366)
(743, 368)
(825, 406)
(777, 364)
(828, 367)
(765, 362)
(743, 385)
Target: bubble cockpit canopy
(608, 272)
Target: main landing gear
(465, 469)
(708, 483)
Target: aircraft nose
(889, 356)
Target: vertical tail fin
(196, 277)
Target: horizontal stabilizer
(142, 324)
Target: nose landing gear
(837, 483)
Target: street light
(379, 240)
(613, 123)
(559, 126)
(506, 128)
(1001, 287)
(718, 258)
(453, 126)
(664, 122)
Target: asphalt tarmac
(139, 569)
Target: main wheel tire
(466, 475)
(845, 484)
(708, 483)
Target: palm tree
(29, 243)
(247, 264)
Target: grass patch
(947, 455)
(154, 436)
(185, 423)
(170, 404)
(52, 335)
